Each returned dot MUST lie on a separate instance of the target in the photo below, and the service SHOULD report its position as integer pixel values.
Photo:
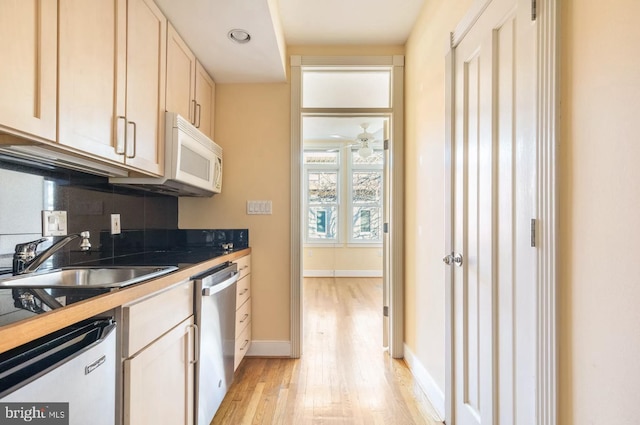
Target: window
(322, 195)
(366, 197)
(324, 190)
(362, 88)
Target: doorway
(325, 166)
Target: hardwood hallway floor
(343, 377)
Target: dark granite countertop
(183, 249)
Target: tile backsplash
(89, 202)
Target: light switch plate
(259, 207)
(54, 223)
(115, 224)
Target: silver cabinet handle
(244, 291)
(245, 317)
(199, 109)
(246, 342)
(448, 259)
(457, 259)
(193, 117)
(196, 344)
(135, 139)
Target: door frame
(394, 271)
(546, 13)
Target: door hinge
(534, 10)
(533, 232)
(385, 228)
(385, 311)
(386, 145)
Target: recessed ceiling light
(239, 36)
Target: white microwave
(193, 163)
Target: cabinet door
(181, 72)
(91, 80)
(205, 100)
(28, 71)
(146, 77)
(158, 381)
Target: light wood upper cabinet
(28, 72)
(146, 78)
(205, 100)
(181, 72)
(112, 81)
(190, 90)
(92, 63)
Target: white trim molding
(425, 381)
(548, 113)
(342, 273)
(295, 316)
(269, 349)
(395, 271)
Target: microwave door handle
(217, 170)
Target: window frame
(307, 169)
(351, 169)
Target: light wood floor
(343, 376)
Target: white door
(493, 283)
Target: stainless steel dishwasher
(76, 365)
(215, 316)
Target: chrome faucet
(25, 259)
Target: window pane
(367, 224)
(320, 157)
(323, 187)
(322, 222)
(346, 89)
(367, 187)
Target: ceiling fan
(364, 140)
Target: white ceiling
(204, 25)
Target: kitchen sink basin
(86, 277)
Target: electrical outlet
(115, 224)
(54, 223)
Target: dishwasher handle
(218, 287)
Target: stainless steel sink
(86, 277)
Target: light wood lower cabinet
(243, 310)
(158, 381)
(159, 365)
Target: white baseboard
(342, 273)
(270, 349)
(433, 392)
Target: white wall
(600, 203)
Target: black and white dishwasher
(215, 304)
(68, 377)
